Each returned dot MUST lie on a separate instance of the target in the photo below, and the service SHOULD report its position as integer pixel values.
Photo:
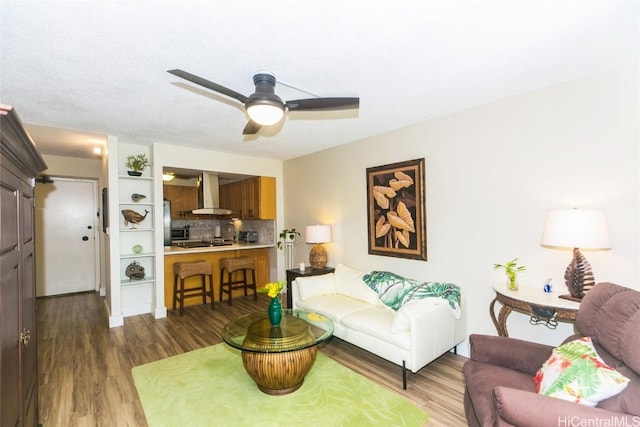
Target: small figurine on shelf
(135, 271)
(547, 287)
(133, 217)
(137, 197)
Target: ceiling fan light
(265, 114)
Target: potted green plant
(287, 235)
(511, 268)
(136, 164)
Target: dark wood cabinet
(183, 199)
(252, 198)
(20, 164)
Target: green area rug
(209, 387)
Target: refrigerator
(166, 222)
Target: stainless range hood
(209, 196)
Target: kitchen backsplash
(204, 229)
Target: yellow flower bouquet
(272, 289)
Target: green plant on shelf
(137, 162)
(287, 235)
(511, 269)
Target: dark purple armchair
(500, 389)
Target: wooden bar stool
(232, 265)
(184, 270)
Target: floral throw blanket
(394, 290)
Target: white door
(66, 236)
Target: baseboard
(115, 321)
(160, 312)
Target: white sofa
(418, 333)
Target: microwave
(181, 233)
(248, 236)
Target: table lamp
(576, 228)
(318, 234)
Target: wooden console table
(309, 271)
(546, 309)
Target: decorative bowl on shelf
(134, 173)
(137, 249)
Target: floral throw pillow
(576, 373)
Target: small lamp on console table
(318, 234)
(576, 228)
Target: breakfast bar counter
(177, 250)
(213, 254)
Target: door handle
(25, 337)
(85, 238)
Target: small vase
(275, 312)
(512, 283)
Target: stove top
(202, 244)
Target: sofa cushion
(335, 306)
(576, 373)
(376, 321)
(311, 286)
(349, 283)
(402, 318)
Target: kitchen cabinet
(19, 165)
(259, 197)
(183, 199)
(254, 198)
(231, 197)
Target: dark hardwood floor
(84, 368)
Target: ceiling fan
(264, 107)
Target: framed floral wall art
(396, 210)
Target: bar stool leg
(175, 290)
(244, 278)
(253, 285)
(222, 291)
(203, 279)
(181, 297)
(211, 290)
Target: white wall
(491, 174)
(72, 167)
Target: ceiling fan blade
(209, 85)
(251, 128)
(323, 104)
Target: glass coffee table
(278, 358)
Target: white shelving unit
(136, 295)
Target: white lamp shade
(576, 228)
(265, 114)
(318, 233)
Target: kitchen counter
(214, 254)
(177, 250)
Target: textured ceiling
(99, 68)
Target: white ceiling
(99, 68)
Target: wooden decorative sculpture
(133, 217)
(578, 276)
